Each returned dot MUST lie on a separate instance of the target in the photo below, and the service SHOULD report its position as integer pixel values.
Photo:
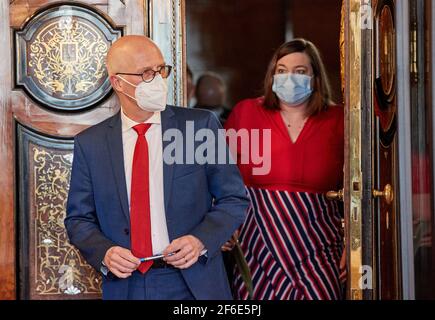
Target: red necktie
(140, 221)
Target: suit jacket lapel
(114, 143)
(168, 122)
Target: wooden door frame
(167, 27)
(404, 148)
(358, 200)
(7, 183)
(360, 207)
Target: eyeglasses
(149, 74)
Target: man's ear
(116, 83)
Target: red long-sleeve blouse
(313, 163)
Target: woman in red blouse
(292, 238)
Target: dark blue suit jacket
(208, 201)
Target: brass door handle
(335, 195)
(387, 194)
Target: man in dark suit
(128, 201)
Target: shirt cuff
(103, 269)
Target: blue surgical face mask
(292, 88)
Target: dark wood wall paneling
(319, 22)
(236, 39)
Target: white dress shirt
(159, 229)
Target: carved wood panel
(50, 267)
(60, 57)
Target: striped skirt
(293, 243)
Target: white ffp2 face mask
(150, 96)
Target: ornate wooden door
(371, 166)
(53, 84)
(386, 170)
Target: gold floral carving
(59, 269)
(67, 57)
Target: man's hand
(187, 248)
(121, 262)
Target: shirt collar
(128, 124)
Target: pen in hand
(159, 256)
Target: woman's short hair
(320, 100)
